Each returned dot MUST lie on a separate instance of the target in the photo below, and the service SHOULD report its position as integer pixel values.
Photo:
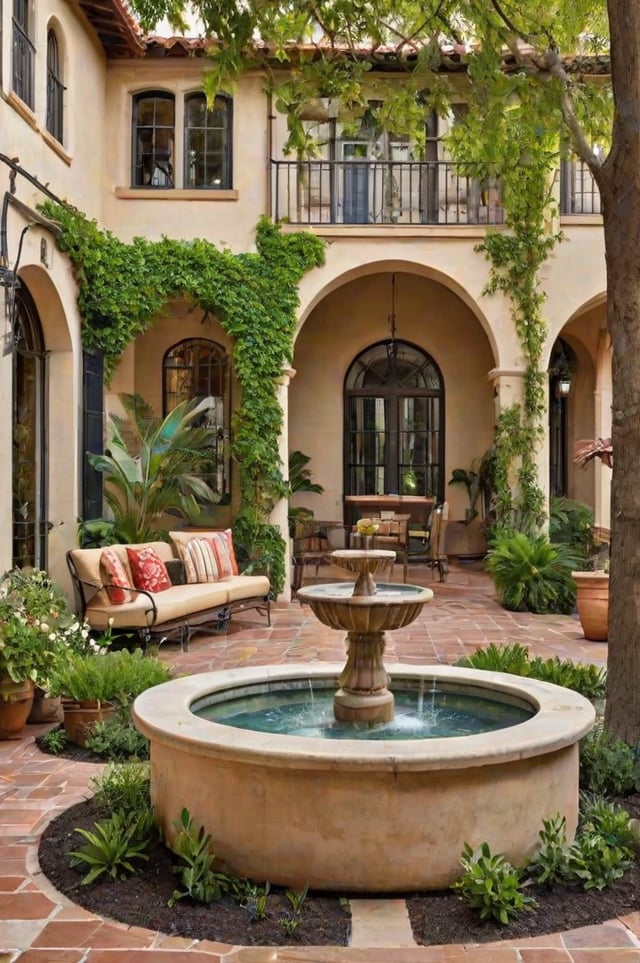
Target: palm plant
(152, 466)
(300, 480)
(531, 574)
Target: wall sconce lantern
(561, 369)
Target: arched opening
(561, 370)
(29, 442)
(194, 370)
(394, 422)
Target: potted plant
(25, 655)
(592, 596)
(95, 685)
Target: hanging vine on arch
(122, 289)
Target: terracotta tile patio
(38, 925)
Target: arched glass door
(394, 422)
(29, 438)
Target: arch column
(508, 390)
(280, 514)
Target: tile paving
(39, 925)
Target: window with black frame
(207, 138)
(394, 430)
(24, 53)
(55, 88)
(198, 370)
(153, 140)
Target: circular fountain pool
(422, 711)
(362, 815)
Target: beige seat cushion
(245, 586)
(177, 602)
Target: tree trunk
(619, 183)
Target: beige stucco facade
(344, 305)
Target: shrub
(195, 863)
(589, 680)
(491, 885)
(607, 764)
(112, 847)
(595, 863)
(123, 787)
(571, 522)
(112, 676)
(531, 574)
(609, 820)
(550, 865)
(118, 740)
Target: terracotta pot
(16, 699)
(593, 604)
(80, 718)
(45, 708)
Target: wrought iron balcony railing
(381, 192)
(404, 192)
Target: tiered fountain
(317, 803)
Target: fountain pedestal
(363, 695)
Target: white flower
(44, 627)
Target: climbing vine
(123, 289)
(521, 154)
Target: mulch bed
(436, 918)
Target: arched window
(29, 437)
(198, 369)
(207, 139)
(24, 53)
(153, 139)
(394, 422)
(55, 87)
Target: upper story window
(23, 60)
(207, 139)
(55, 87)
(153, 139)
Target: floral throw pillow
(116, 578)
(147, 570)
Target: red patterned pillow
(224, 554)
(117, 580)
(147, 570)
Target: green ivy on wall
(508, 146)
(123, 289)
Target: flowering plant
(38, 630)
(366, 526)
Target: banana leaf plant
(154, 465)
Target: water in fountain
(298, 711)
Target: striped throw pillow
(200, 562)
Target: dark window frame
(55, 88)
(156, 162)
(221, 100)
(23, 54)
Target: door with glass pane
(355, 195)
(394, 432)
(29, 440)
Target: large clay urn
(593, 604)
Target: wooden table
(419, 507)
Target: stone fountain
(366, 614)
(360, 815)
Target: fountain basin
(362, 816)
(393, 606)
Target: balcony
(317, 192)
